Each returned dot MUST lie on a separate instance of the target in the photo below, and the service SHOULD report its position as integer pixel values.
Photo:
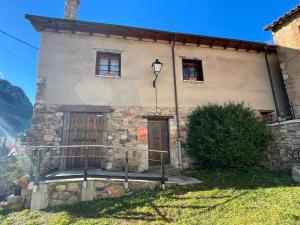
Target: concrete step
(169, 170)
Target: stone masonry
(46, 129)
(54, 193)
(123, 125)
(286, 138)
(287, 38)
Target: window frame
(193, 63)
(109, 56)
(266, 115)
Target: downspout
(178, 141)
(271, 82)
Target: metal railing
(38, 154)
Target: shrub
(226, 136)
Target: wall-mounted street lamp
(156, 67)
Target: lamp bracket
(154, 82)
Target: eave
(282, 20)
(42, 23)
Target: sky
(221, 18)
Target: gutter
(178, 140)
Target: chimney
(71, 9)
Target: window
(192, 70)
(266, 116)
(108, 64)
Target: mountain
(15, 109)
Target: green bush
(226, 136)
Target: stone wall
(287, 38)
(46, 130)
(122, 130)
(53, 193)
(286, 137)
(124, 125)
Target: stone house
(284, 151)
(95, 86)
(286, 34)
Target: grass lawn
(227, 197)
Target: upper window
(108, 64)
(192, 70)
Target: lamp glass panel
(157, 67)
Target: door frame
(160, 118)
(67, 110)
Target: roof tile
(283, 19)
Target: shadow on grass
(154, 205)
(119, 208)
(242, 179)
(131, 207)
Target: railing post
(60, 159)
(86, 164)
(37, 167)
(51, 159)
(163, 186)
(126, 169)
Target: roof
(14, 150)
(41, 23)
(283, 19)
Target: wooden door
(84, 129)
(158, 139)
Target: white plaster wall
(67, 63)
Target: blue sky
(223, 18)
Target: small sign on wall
(142, 133)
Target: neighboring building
(95, 87)
(286, 33)
(10, 146)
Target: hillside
(15, 109)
